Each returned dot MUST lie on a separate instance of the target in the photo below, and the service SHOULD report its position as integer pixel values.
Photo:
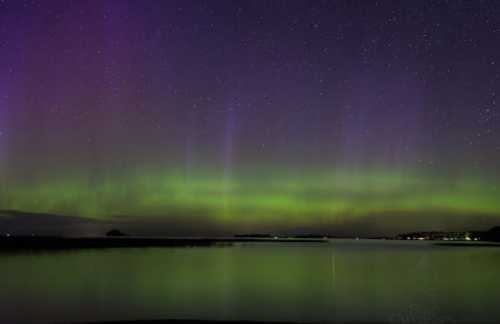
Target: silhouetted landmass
(438, 236)
(60, 243)
(493, 234)
(254, 235)
(115, 232)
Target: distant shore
(220, 322)
(13, 243)
(62, 243)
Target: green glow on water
(344, 281)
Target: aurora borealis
(253, 115)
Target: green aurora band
(256, 196)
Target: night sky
(248, 116)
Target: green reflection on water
(388, 281)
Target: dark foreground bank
(215, 322)
(242, 322)
(60, 243)
(465, 244)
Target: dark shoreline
(35, 243)
(66, 243)
(475, 244)
(183, 321)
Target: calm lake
(344, 280)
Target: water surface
(390, 281)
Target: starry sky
(248, 116)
